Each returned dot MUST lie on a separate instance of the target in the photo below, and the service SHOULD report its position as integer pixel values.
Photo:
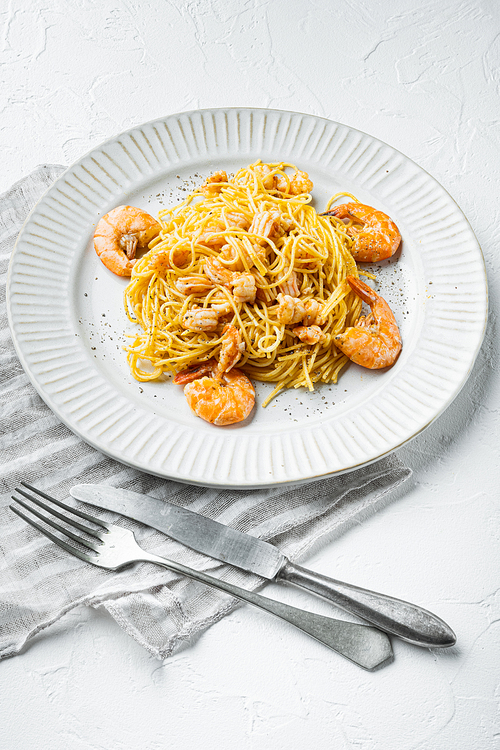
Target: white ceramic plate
(69, 327)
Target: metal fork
(113, 547)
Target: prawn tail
(194, 372)
(363, 291)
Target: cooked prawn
(232, 347)
(217, 273)
(221, 304)
(195, 284)
(230, 258)
(290, 309)
(214, 183)
(242, 284)
(213, 232)
(309, 334)
(377, 239)
(233, 255)
(312, 315)
(220, 399)
(265, 225)
(290, 286)
(235, 220)
(118, 235)
(163, 259)
(298, 184)
(266, 175)
(244, 288)
(200, 319)
(373, 342)
(212, 235)
(193, 372)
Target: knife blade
(408, 621)
(198, 532)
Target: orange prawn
(120, 233)
(377, 239)
(219, 398)
(373, 342)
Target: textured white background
(424, 77)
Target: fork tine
(45, 532)
(76, 524)
(80, 513)
(67, 532)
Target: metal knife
(408, 621)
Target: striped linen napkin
(39, 582)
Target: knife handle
(408, 621)
(363, 645)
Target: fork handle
(408, 621)
(363, 645)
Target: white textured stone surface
(425, 78)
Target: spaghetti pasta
(251, 252)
